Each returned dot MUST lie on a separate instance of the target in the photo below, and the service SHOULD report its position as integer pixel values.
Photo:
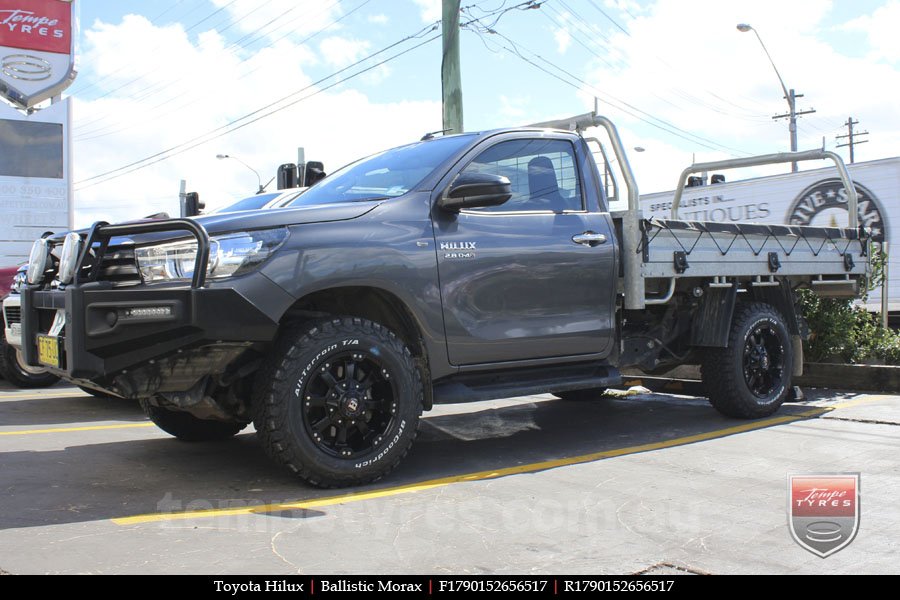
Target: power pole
(791, 98)
(451, 81)
(851, 137)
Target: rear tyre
(14, 370)
(750, 378)
(581, 395)
(339, 402)
(187, 427)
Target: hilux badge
(458, 250)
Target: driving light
(149, 312)
(229, 255)
(37, 261)
(68, 259)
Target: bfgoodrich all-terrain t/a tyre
(187, 427)
(339, 402)
(752, 376)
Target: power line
(153, 87)
(613, 21)
(259, 113)
(104, 130)
(622, 105)
(120, 69)
(577, 21)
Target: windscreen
(386, 175)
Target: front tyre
(339, 403)
(750, 378)
(188, 428)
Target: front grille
(13, 314)
(119, 266)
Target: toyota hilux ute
(468, 267)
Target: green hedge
(841, 330)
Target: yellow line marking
(855, 402)
(71, 429)
(483, 475)
(50, 394)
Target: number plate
(48, 350)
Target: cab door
(535, 277)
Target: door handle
(589, 238)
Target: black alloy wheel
(763, 361)
(751, 377)
(349, 404)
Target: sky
(163, 87)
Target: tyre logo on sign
(26, 67)
(823, 511)
(824, 204)
(36, 50)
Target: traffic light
(192, 204)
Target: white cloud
(380, 19)
(626, 6)
(340, 52)
(563, 40)
(514, 110)
(187, 89)
(278, 18)
(703, 76)
(881, 30)
(431, 10)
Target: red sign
(40, 25)
(824, 511)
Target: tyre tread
(725, 393)
(271, 417)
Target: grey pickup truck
(468, 267)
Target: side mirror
(476, 190)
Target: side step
(523, 382)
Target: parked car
(262, 201)
(12, 366)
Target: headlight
(19, 279)
(68, 259)
(37, 261)
(229, 255)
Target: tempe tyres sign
(36, 49)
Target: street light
(258, 178)
(789, 95)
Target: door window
(542, 172)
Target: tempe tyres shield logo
(36, 49)
(824, 511)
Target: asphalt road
(644, 483)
